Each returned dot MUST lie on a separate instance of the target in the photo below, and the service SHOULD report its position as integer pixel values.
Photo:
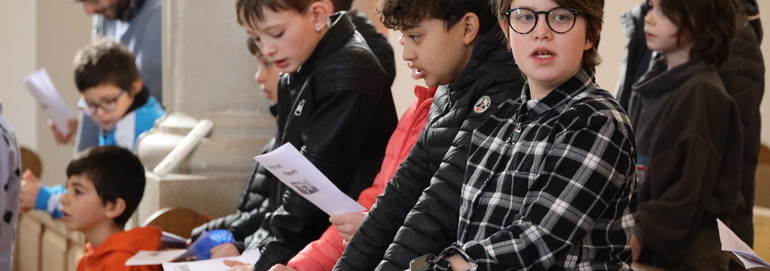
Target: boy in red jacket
(104, 187)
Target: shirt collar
(564, 93)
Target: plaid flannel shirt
(550, 184)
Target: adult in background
(136, 24)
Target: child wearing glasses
(550, 181)
(115, 98)
(689, 137)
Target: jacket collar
(334, 39)
(488, 50)
(139, 100)
(568, 91)
(658, 80)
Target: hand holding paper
(739, 249)
(294, 170)
(40, 85)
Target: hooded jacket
(688, 137)
(489, 79)
(743, 75)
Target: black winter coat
(254, 205)
(338, 111)
(489, 79)
(743, 76)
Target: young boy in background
(104, 187)
(115, 98)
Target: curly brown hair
(406, 14)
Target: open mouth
(417, 73)
(543, 54)
(281, 64)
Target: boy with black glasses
(550, 181)
(115, 98)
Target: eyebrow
(75, 185)
(271, 27)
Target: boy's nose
(648, 19)
(65, 199)
(542, 31)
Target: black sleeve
(250, 212)
(334, 136)
(367, 247)
(431, 225)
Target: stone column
(208, 73)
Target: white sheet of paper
(40, 85)
(732, 243)
(294, 170)
(249, 257)
(147, 257)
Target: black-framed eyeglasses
(108, 105)
(524, 20)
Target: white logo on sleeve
(482, 104)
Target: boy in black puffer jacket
(458, 46)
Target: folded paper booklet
(40, 85)
(739, 250)
(294, 170)
(248, 257)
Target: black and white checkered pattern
(551, 184)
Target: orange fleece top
(116, 249)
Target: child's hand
(64, 138)
(636, 248)
(30, 186)
(225, 250)
(280, 267)
(238, 266)
(347, 225)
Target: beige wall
(611, 49)
(39, 34)
(47, 33)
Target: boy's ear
(320, 13)
(116, 208)
(590, 44)
(506, 31)
(136, 86)
(470, 27)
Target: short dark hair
(248, 10)
(105, 62)
(592, 11)
(342, 4)
(253, 47)
(115, 172)
(710, 23)
(405, 14)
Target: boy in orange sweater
(104, 187)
